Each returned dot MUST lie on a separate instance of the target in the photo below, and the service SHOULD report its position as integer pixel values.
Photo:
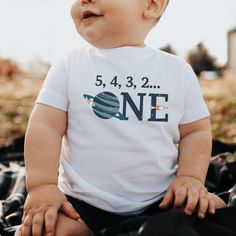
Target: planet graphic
(105, 105)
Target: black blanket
(221, 179)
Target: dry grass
(16, 101)
(17, 97)
(220, 96)
(7, 68)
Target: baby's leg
(68, 227)
(219, 203)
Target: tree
(168, 48)
(200, 59)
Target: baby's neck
(132, 45)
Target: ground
(220, 95)
(17, 96)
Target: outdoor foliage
(201, 60)
(168, 48)
(8, 68)
(220, 95)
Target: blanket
(221, 180)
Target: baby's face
(108, 23)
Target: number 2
(145, 85)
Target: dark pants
(98, 220)
(176, 223)
(157, 222)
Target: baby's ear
(155, 8)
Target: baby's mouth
(89, 14)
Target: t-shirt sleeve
(54, 91)
(195, 107)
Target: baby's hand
(40, 210)
(190, 194)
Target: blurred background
(36, 33)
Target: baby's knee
(68, 227)
(17, 233)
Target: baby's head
(116, 23)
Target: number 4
(114, 81)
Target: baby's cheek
(75, 11)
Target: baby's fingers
(203, 205)
(211, 206)
(168, 199)
(50, 221)
(180, 197)
(69, 210)
(192, 201)
(27, 225)
(37, 224)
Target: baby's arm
(194, 157)
(47, 126)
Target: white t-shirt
(124, 107)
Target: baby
(118, 130)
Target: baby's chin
(104, 44)
(95, 40)
(103, 38)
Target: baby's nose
(86, 1)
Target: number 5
(98, 80)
